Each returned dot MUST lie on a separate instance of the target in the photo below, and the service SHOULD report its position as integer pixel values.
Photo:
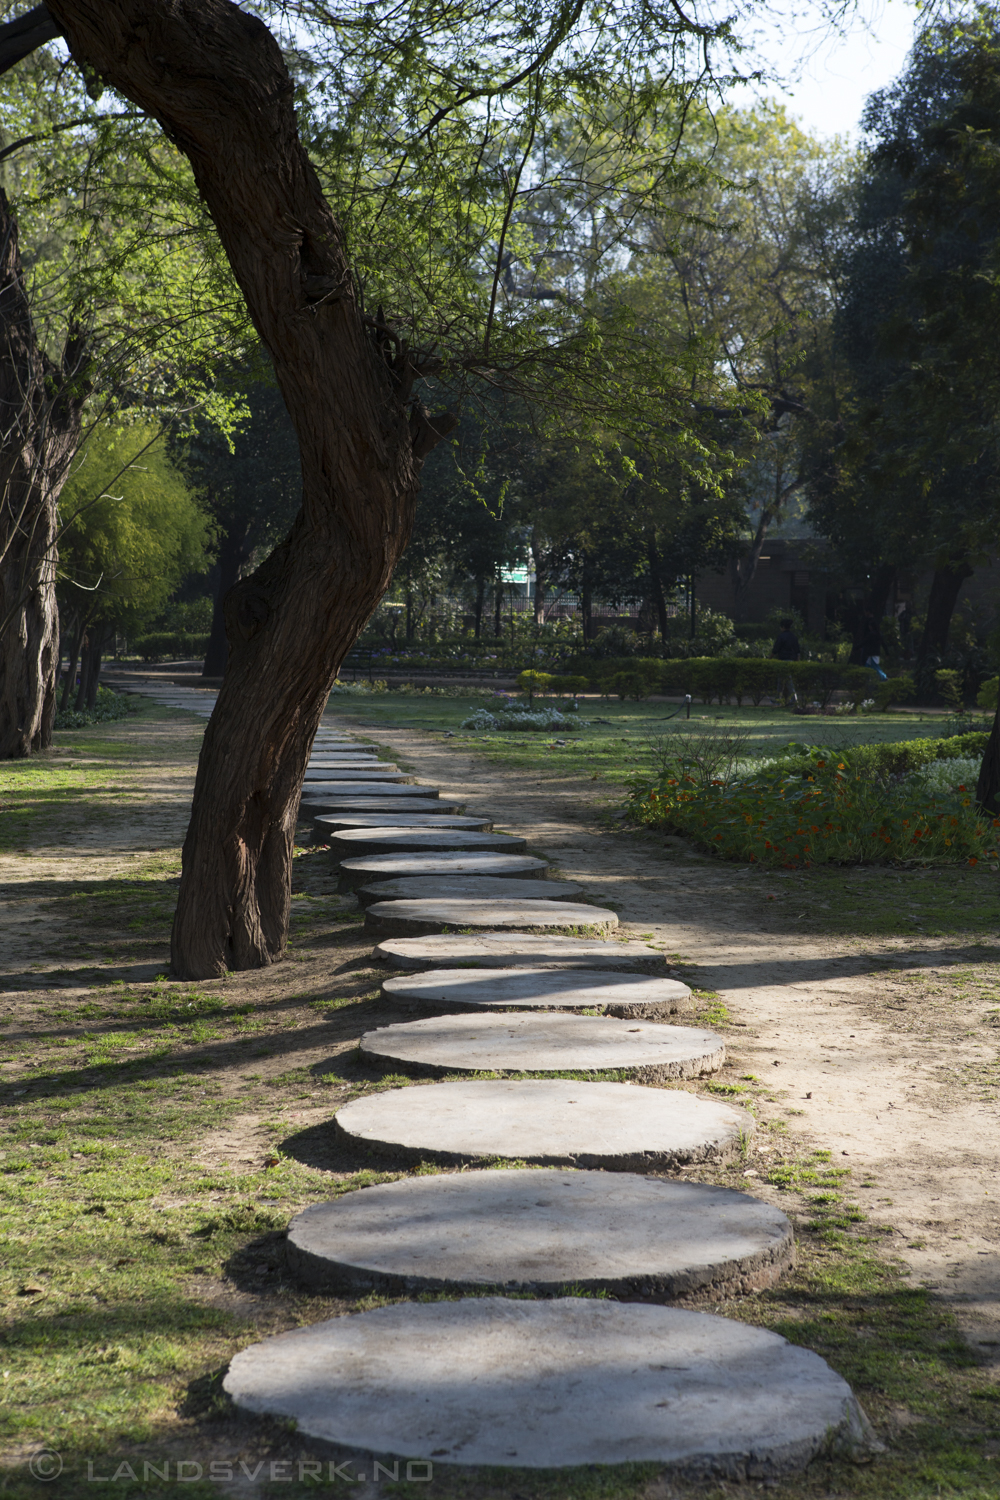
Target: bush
(894, 690)
(170, 645)
(949, 685)
(839, 813)
(518, 717)
(986, 698)
(109, 706)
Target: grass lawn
(620, 738)
(158, 1135)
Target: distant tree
(919, 324)
(248, 479)
(131, 530)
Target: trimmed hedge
(177, 645)
(725, 679)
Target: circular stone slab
(391, 840)
(574, 1380)
(542, 1232)
(413, 918)
(356, 788)
(505, 950)
(325, 824)
(551, 1121)
(354, 872)
(515, 1042)
(623, 995)
(358, 771)
(383, 807)
(455, 887)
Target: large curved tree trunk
(215, 80)
(39, 433)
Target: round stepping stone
(354, 872)
(542, 1232)
(325, 825)
(365, 788)
(550, 1121)
(355, 781)
(506, 950)
(414, 918)
(516, 1042)
(337, 762)
(552, 1384)
(392, 840)
(314, 807)
(455, 887)
(626, 996)
(358, 771)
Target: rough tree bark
(214, 79)
(40, 413)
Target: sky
(836, 73)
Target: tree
(214, 78)
(41, 401)
(118, 280)
(131, 530)
(917, 326)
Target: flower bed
(837, 813)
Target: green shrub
(839, 813)
(535, 682)
(949, 685)
(169, 645)
(894, 690)
(570, 686)
(109, 706)
(986, 698)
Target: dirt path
(867, 1047)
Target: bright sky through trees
(830, 75)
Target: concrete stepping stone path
(414, 918)
(516, 1042)
(393, 840)
(542, 1232)
(362, 871)
(623, 995)
(554, 1122)
(475, 887)
(490, 1381)
(504, 950)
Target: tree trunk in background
(214, 78)
(233, 555)
(498, 611)
(874, 605)
(586, 607)
(81, 692)
(656, 586)
(945, 588)
(39, 433)
(480, 606)
(73, 656)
